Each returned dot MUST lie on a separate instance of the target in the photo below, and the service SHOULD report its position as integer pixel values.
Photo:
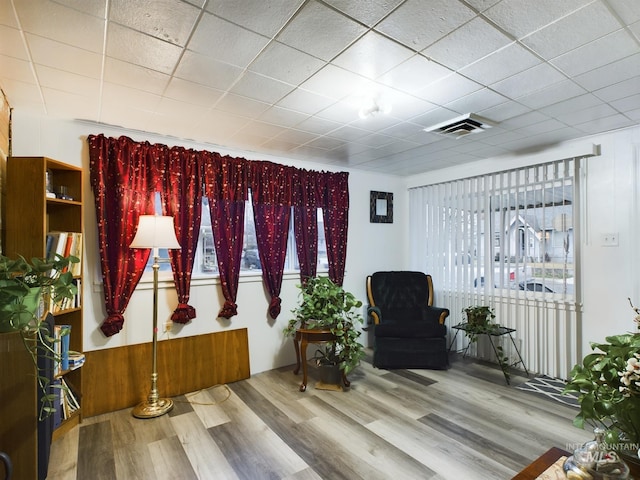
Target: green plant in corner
(479, 320)
(326, 305)
(608, 384)
(24, 286)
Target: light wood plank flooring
(461, 423)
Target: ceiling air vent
(461, 126)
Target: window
(206, 263)
(506, 231)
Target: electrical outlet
(168, 325)
(609, 239)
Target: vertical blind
(506, 240)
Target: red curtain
(271, 190)
(123, 182)
(336, 222)
(181, 195)
(126, 174)
(225, 184)
(307, 187)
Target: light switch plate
(609, 239)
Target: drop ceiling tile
(372, 55)
(286, 64)
(349, 133)
(55, 79)
(538, 14)
(141, 49)
(25, 94)
(7, 18)
(70, 105)
(12, 44)
(16, 69)
(320, 31)
(605, 124)
(375, 140)
(434, 117)
(366, 11)
(247, 107)
(557, 92)
(135, 76)
(295, 136)
(595, 54)
(129, 97)
(282, 116)
(226, 42)
(627, 104)
(418, 24)
(184, 113)
(482, 5)
(467, 44)
(325, 143)
(628, 11)
(168, 20)
(406, 106)
(476, 101)
(619, 90)
(412, 75)
(529, 81)
(207, 71)
(266, 18)
(221, 125)
(504, 111)
(571, 105)
(587, 115)
(501, 64)
(374, 123)
(335, 82)
(448, 89)
(64, 57)
(97, 8)
(573, 31)
(192, 93)
(305, 101)
(615, 72)
(633, 115)
(318, 126)
(523, 120)
(549, 125)
(261, 88)
(62, 24)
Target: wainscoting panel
(120, 377)
(547, 331)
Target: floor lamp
(154, 231)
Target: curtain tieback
(112, 324)
(184, 313)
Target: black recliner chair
(408, 331)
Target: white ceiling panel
(290, 77)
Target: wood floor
(462, 423)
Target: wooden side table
(304, 337)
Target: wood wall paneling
(117, 378)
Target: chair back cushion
(401, 295)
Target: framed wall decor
(381, 207)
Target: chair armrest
(375, 313)
(436, 314)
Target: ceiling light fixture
(372, 106)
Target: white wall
(370, 247)
(611, 184)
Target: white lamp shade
(155, 231)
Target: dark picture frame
(380, 207)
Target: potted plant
(608, 384)
(479, 320)
(326, 305)
(24, 289)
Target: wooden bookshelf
(30, 213)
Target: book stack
(76, 360)
(67, 401)
(65, 244)
(61, 334)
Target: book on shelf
(65, 244)
(76, 360)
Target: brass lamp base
(153, 409)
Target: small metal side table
(497, 331)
